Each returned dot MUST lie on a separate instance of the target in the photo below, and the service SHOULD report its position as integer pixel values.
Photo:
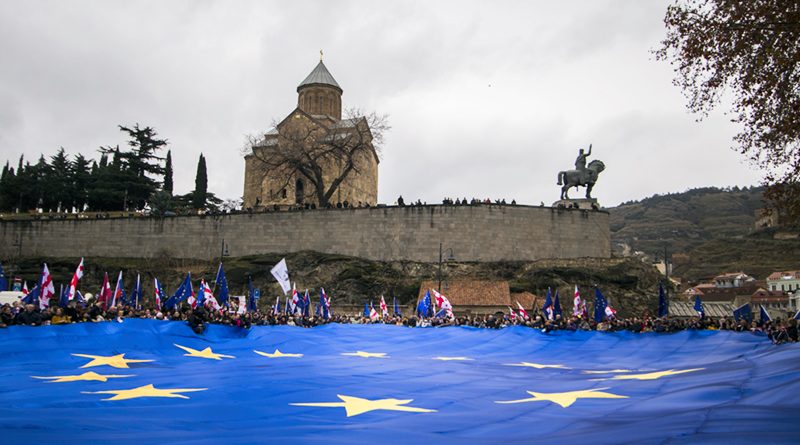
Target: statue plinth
(584, 204)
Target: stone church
(313, 145)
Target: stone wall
(475, 233)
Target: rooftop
(320, 76)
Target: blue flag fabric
(743, 312)
(3, 279)
(705, 391)
(222, 284)
(547, 307)
(135, 299)
(32, 297)
(397, 312)
(366, 309)
(63, 299)
(600, 305)
(306, 304)
(425, 307)
(183, 292)
(160, 291)
(698, 306)
(323, 303)
(663, 304)
(764, 315)
(557, 305)
(797, 315)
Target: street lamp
(224, 251)
(450, 257)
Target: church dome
(319, 76)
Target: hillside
(684, 221)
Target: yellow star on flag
(653, 375)
(277, 354)
(354, 406)
(366, 354)
(86, 376)
(448, 359)
(566, 399)
(205, 353)
(145, 391)
(537, 365)
(115, 361)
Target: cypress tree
(168, 173)
(200, 184)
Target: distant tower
(319, 94)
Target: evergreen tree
(80, 177)
(168, 173)
(200, 184)
(7, 191)
(57, 184)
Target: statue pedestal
(584, 204)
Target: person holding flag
(47, 290)
(698, 307)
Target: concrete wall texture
(475, 233)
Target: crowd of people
(778, 331)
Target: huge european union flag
(145, 381)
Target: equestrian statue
(583, 175)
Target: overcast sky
(485, 99)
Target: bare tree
(323, 151)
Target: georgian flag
(73, 284)
(373, 314)
(384, 308)
(522, 311)
(159, 293)
(511, 314)
(192, 300)
(25, 288)
(48, 290)
(577, 309)
(105, 292)
(119, 291)
(442, 301)
(610, 313)
(295, 299)
(208, 297)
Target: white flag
(281, 273)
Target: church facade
(313, 156)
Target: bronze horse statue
(585, 178)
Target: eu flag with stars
(183, 292)
(600, 305)
(743, 312)
(150, 381)
(222, 283)
(3, 280)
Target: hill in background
(707, 231)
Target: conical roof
(320, 76)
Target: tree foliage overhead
(124, 183)
(309, 150)
(749, 52)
